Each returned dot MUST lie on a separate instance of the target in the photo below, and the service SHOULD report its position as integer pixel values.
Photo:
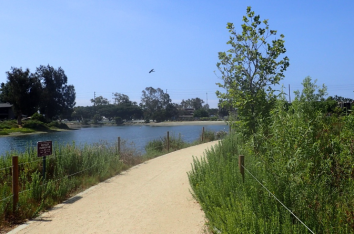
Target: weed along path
(153, 197)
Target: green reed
(305, 158)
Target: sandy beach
(153, 197)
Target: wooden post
(44, 166)
(203, 135)
(241, 163)
(15, 186)
(168, 141)
(118, 145)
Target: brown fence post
(203, 135)
(241, 163)
(118, 145)
(168, 141)
(15, 186)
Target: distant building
(6, 111)
(187, 114)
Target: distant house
(187, 114)
(6, 111)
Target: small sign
(44, 148)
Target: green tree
(120, 98)
(251, 67)
(96, 118)
(201, 113)
(22, 90)
(100, 101)
(153, 101)
(196, 103)
(58, 97)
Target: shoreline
(167, 123)
(73, 126)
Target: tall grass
(71, 169)
(305, 158)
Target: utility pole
(289, 95)
(94, 98)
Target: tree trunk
(19, 118)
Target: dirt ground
(153, 197)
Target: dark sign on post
(44, 148)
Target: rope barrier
(278, 199)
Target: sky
(109, 46)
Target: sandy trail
(153, 197)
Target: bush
(8, 124)
(39, 117)
(34, 124)
(85, 122)
(56, 124)
(96, 118)
(118, 120)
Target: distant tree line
(45, 91)
(155, 105)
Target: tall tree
(196, 103)
(99, 101)
(154, 101)
(120, 98)
(22, 90)
(57, 97)
(251, 67)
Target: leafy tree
(201, 113)
(120, 98)
(57, 97)
(99, 101)
(250, 68)
(154, 100)
(172, 111)
(196, 103)
(342, 99)
(82, 112)
(118, 120)
(96, 118)
(213, 111)
(22, 90)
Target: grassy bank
(9, 127)
(70, 170)
(304, 157)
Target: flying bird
(152, 70)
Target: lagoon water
(138, 135)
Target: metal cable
(4, 168)
(278, 200)
(30, 162)
(6, 198)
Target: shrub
(209, 136)
(35, 124)
(56, 124)
(96, 118)
(85, 121)
(39, 117)
(8, 124)
(118, 120)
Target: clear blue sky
(110, 46)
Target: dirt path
(153, 197)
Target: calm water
(139, 135)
